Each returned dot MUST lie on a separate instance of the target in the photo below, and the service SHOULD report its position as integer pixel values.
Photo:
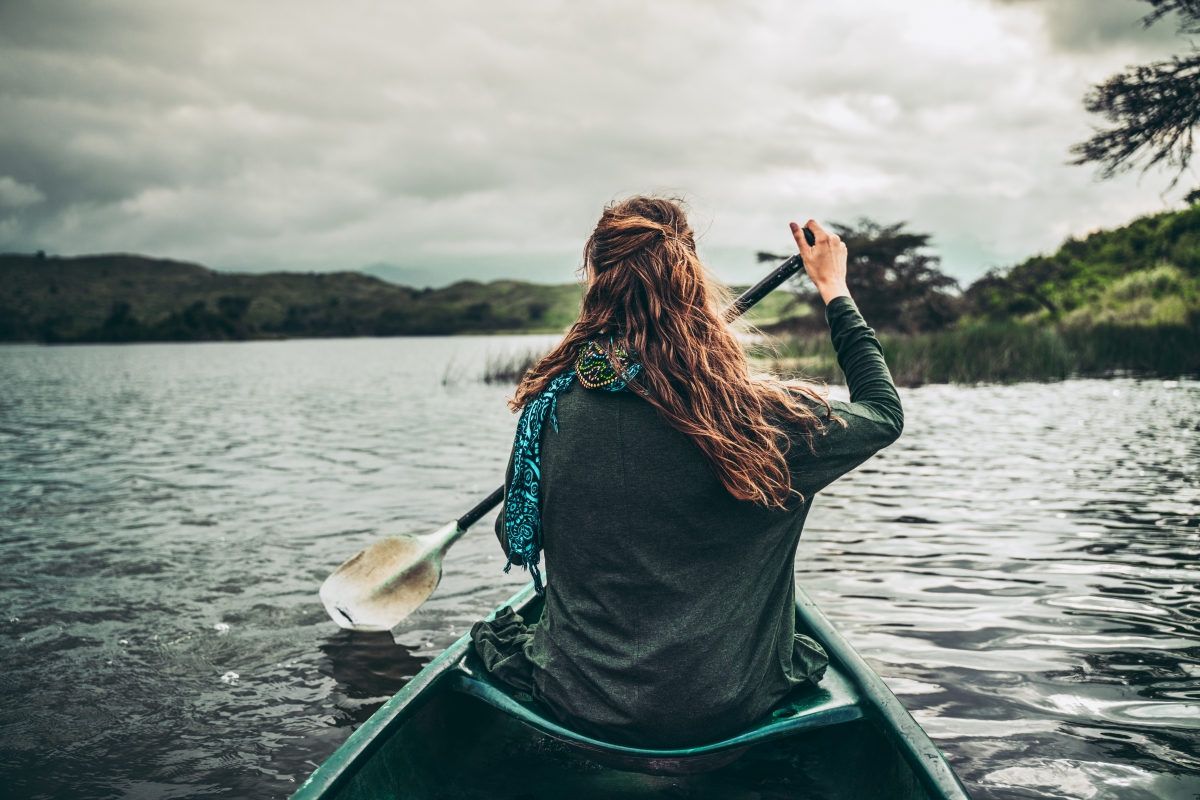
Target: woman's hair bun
(635, 224)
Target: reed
(1007, 352)
(980, 352)
(509, 367)
(991, 353)
(1162, 350)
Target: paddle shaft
(738, 307)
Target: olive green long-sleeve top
(670, 605)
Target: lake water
(1022, 566)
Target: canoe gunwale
(885, 709)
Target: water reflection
(1021, 566)
(368, 668)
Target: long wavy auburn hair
(648, 291)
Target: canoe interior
(458, 747)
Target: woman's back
(663, 587)
(670, 604)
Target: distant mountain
(123, 298)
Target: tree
(1154, 108)
(896, 285)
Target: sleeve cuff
(839, 307)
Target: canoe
(453, 732)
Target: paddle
(377, 588)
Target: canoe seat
(833, 701)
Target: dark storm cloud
(472, 138)
(1096, 25)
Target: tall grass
(999, 352)
(509, 367)
(1165, 350)
(1008, 352)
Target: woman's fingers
(801, 242)
(819, 233)
(824, 260)
(822, 239)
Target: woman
(668, 488)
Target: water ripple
(1031, 590)
(1022, 567)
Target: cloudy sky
(480, 138)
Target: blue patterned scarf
(522, 513)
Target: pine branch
(1154, 108)
(1188, 10)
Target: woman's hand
(825, 261)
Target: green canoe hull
(433, 739)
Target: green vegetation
(122, 298)
(1108, 268)
(1125, 300)
(125, 298)
(1003, 353)
(1000, 353)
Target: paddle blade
(380, 586)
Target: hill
(1146, 273)
(129, 298)
(121, 298)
